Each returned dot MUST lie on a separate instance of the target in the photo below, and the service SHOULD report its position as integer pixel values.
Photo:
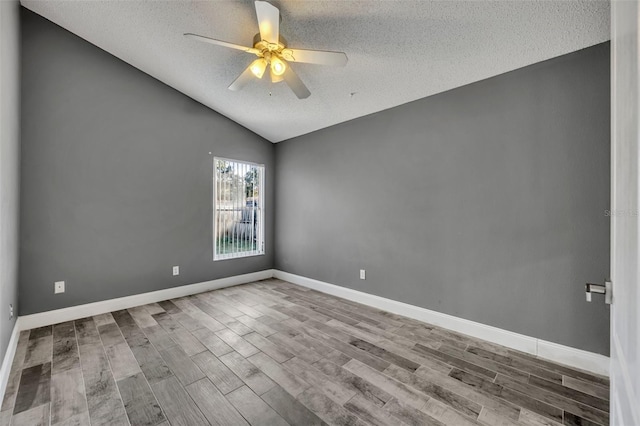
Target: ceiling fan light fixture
(271, 49)
(278, 66)
(258, 67)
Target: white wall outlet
(176, 270)
(10, 311)
(58, 287)
(363, 275)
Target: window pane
(238, 209)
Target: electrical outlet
(58, 287)
(10, 311)
(176, 270)
(362, 274)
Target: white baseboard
(5, 370)
(81, 311)
(577, 358)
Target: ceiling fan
(271, 50)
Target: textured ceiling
(399, 51)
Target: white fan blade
(222, 43)
(320, 57)
(294, 82)
(242, 79)
(268, 21)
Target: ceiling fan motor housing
(263, 45)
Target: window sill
(240, 255)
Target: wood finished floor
(272, 353)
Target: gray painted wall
(9, 164)
(486, 202)
(117, 176)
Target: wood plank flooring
(273, 353)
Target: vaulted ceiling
(399, 51)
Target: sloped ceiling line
(398, 51)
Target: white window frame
(260, 212)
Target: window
(238, 200)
